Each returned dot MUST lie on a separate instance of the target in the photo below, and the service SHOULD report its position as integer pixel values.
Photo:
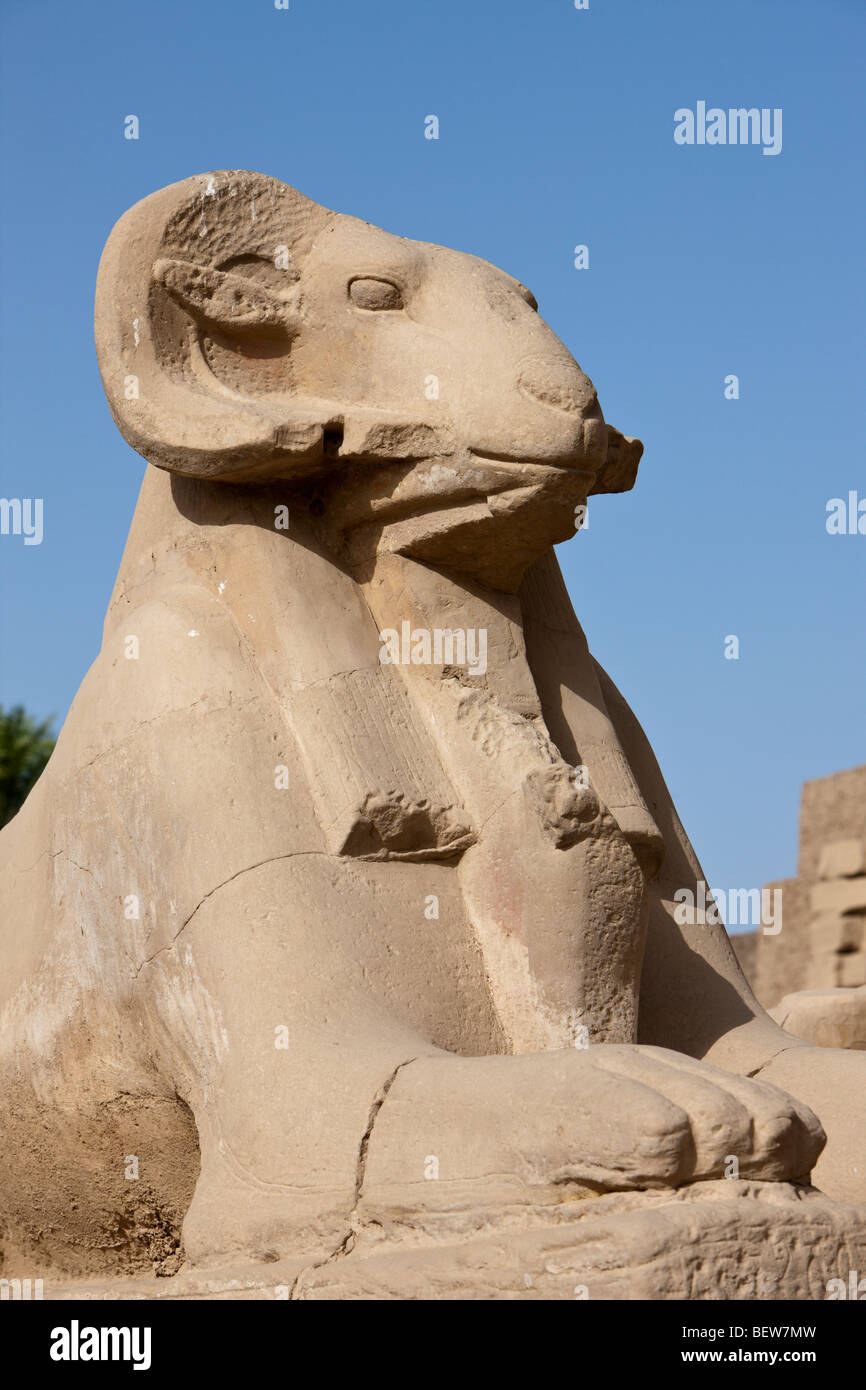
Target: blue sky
(556, 128)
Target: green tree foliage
(25, 748)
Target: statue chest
(551, 896)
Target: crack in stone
(73, 862)
(763, 1065)
(347, 1244)
(52, 854)
(273, 859)
(154, 719)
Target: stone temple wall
(822, 943)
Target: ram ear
(223, 252)
(220, 299)
(618, 473)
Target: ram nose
(558, 384)
(561, 386)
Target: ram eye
(368, 293)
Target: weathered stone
(373, 946)
(825, 1017)
(840, 895)
(823, 941)
(728, 1239)
(842, 859)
